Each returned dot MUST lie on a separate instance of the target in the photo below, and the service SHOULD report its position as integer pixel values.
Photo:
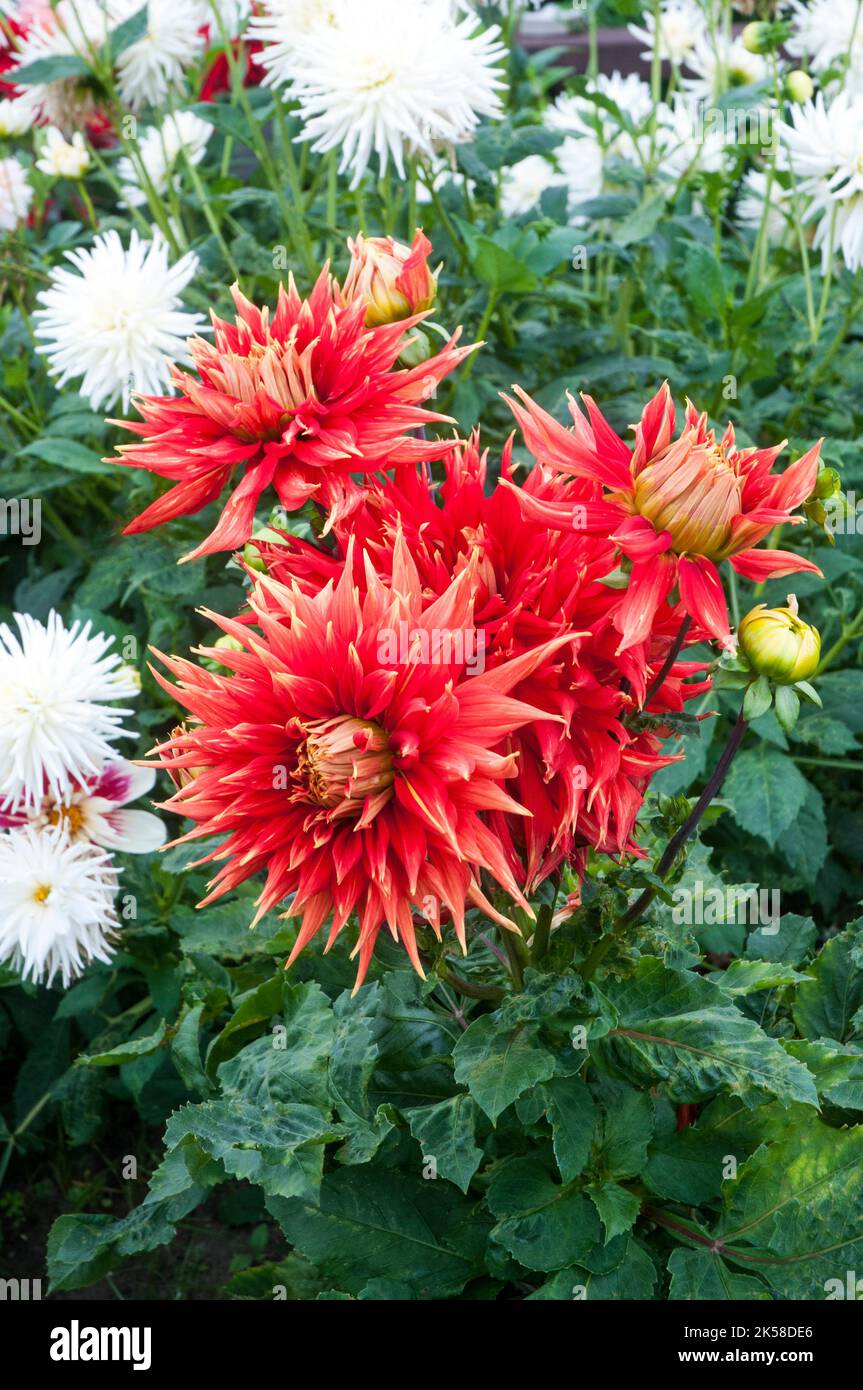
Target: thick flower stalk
(357, 776)
(298, 402)
(674, 507)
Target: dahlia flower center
(270, 382)
(70, 817)
(345, 760)
(42, 893)
(693, 492)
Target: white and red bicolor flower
(675, 508)
(297, 403)
(97, 811)
(358, 782)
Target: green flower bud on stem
(778, 644)
(799, 86)
(761, 37)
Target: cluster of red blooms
(432, 708)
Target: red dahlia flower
(357, 781)
(674, 507)
(582, 773)
(298, 403)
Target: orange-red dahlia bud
(344, 760)
(394, 280)
(778, 644)
(692, 491)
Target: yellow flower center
(42, 893)
(343, 762)
(70, 817)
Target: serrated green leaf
(498, 1064)
(542, 1225)
(791, 944)
(748, 976)
(352, 1061)
(376, 1223)
(289, 1063)
(280, 1149)
(616, 1206)
(827, 1000)
(838, 1070)
(572, 1115)
(633, 1277)
(798, 1205)
(765, 790)
(698, 1275)
(128, 1051)
(446, 1132)
(677, 1031)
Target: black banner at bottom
(67, 1337)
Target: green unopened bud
(778, 644)
(253, 558)
(416, 350)
(828, 484)
(251, 552)
(799, 86)
(756, 37)
(267, 534)
(761, 37)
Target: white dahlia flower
(57, 685)
(822, 147)
(719, 65)
(829, 34)
(116, 318)
(163, 150)
(62, 159)
(681, 25)
(56, 904)
(524, 184)
(75, 28)
(154, 66)
(16, 117)
(386, 78)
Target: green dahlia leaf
(499, 1063)
(376, 1223)
(542, 1224)
(677, 1031)
(828, 999)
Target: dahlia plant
(451, 868)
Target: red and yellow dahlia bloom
(582, 773)
(298, 402)
(393, 280)
(358, 782)
(674, 507)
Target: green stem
(847, 763)
(849, 632)
(672, 849)
(491, 305)
(513, 956)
